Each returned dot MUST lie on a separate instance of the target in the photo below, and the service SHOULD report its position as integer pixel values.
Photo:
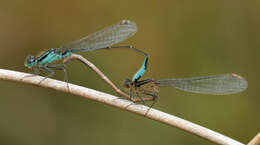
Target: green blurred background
(183, 38)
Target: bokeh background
(183, 38)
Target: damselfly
(103, 39)
(222, 84)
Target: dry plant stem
(102, 75)
(121, 103)
(255, 140)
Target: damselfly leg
(154, 100)
(61, 67)
(35, 73)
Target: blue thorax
(51, 55)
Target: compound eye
(30, 59)
(127, 83)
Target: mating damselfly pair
(105, 39)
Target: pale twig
(122, 104)
(255, 140)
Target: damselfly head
(128, 83)
(29, 61)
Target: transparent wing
(217, 85)
(105, 37)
